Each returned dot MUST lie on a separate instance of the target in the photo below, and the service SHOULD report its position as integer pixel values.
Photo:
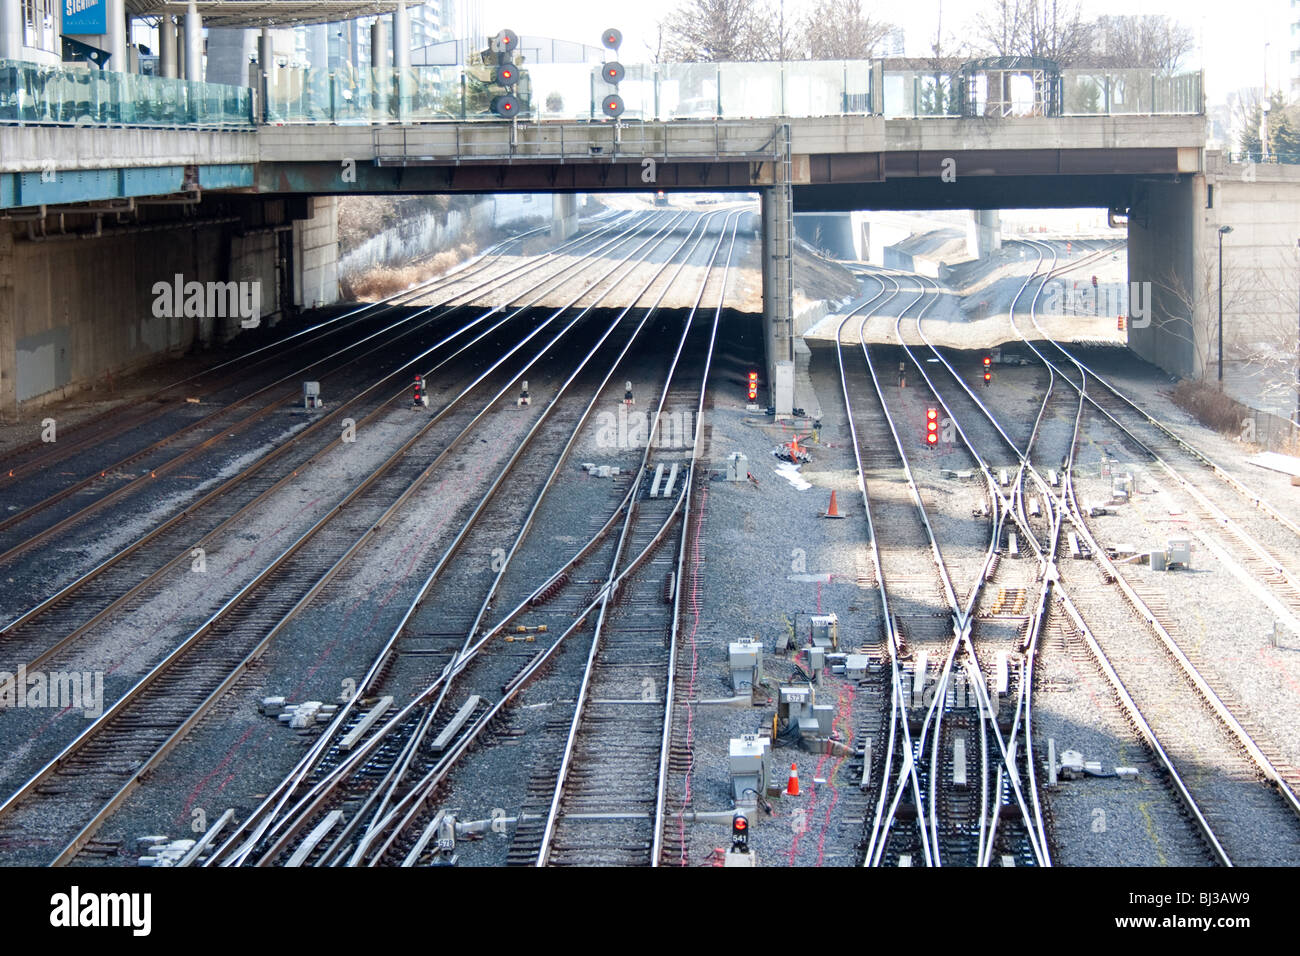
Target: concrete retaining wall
(75, 311)
(431, 231)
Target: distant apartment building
(1295, 47)
(430, 23)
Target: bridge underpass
(1153, 164)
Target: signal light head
(740, 831)
(507, 40)
(507, 105)
(612, 105)
(932, 415)
(613, 72)
(987, 361)
(612, 38)
(988, 376)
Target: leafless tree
(1263, 332)
(1194, 312)
(939, 96)
(718, 30)
(1047, 28)
(1154, 42)
(1056, 30)
(839, 30)
(1001, 26)
(656, 50)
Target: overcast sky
(1231, 36)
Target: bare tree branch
(721, 30)
(840, 30)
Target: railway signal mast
(612, 71)
(506, 74)
(740, 854)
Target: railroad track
(923, 617)
(154, 472)
(103, 430)
(68, 620)
(998, 631)
(609, 796)
(1057, 507)
(279, 822)
(1142, 681)
(358, 516)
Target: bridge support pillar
(564, 212)
(193, 43)
(984, 233)
(378, 62)
(8, 363)
(167, 47)
(11, 30)
(117, 39)
(402, 59)
(778, 286)
(1172, 276)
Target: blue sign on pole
(85, 17)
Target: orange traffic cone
(792, 786)
(833, 512)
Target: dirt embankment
(363, 217)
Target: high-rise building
(1295, 47)
(430, 23)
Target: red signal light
(987, 361)
(988, 376)
(740, 832)
(932, 426)
(753, 386)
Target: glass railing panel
(751, 90)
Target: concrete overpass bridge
(253, 184)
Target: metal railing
(707, 91)
(44, 95)
(34, 94)
(1286, 157)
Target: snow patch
(790, 472)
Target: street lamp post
(1297, 364)
(1223, 231)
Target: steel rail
(566, 759)
(1000, 508)
(1063, 509)
(206, 421)
(126, 422)
(880, 826)
(1189, 669)
(248, 589)
(267, 815)
(388, 787)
